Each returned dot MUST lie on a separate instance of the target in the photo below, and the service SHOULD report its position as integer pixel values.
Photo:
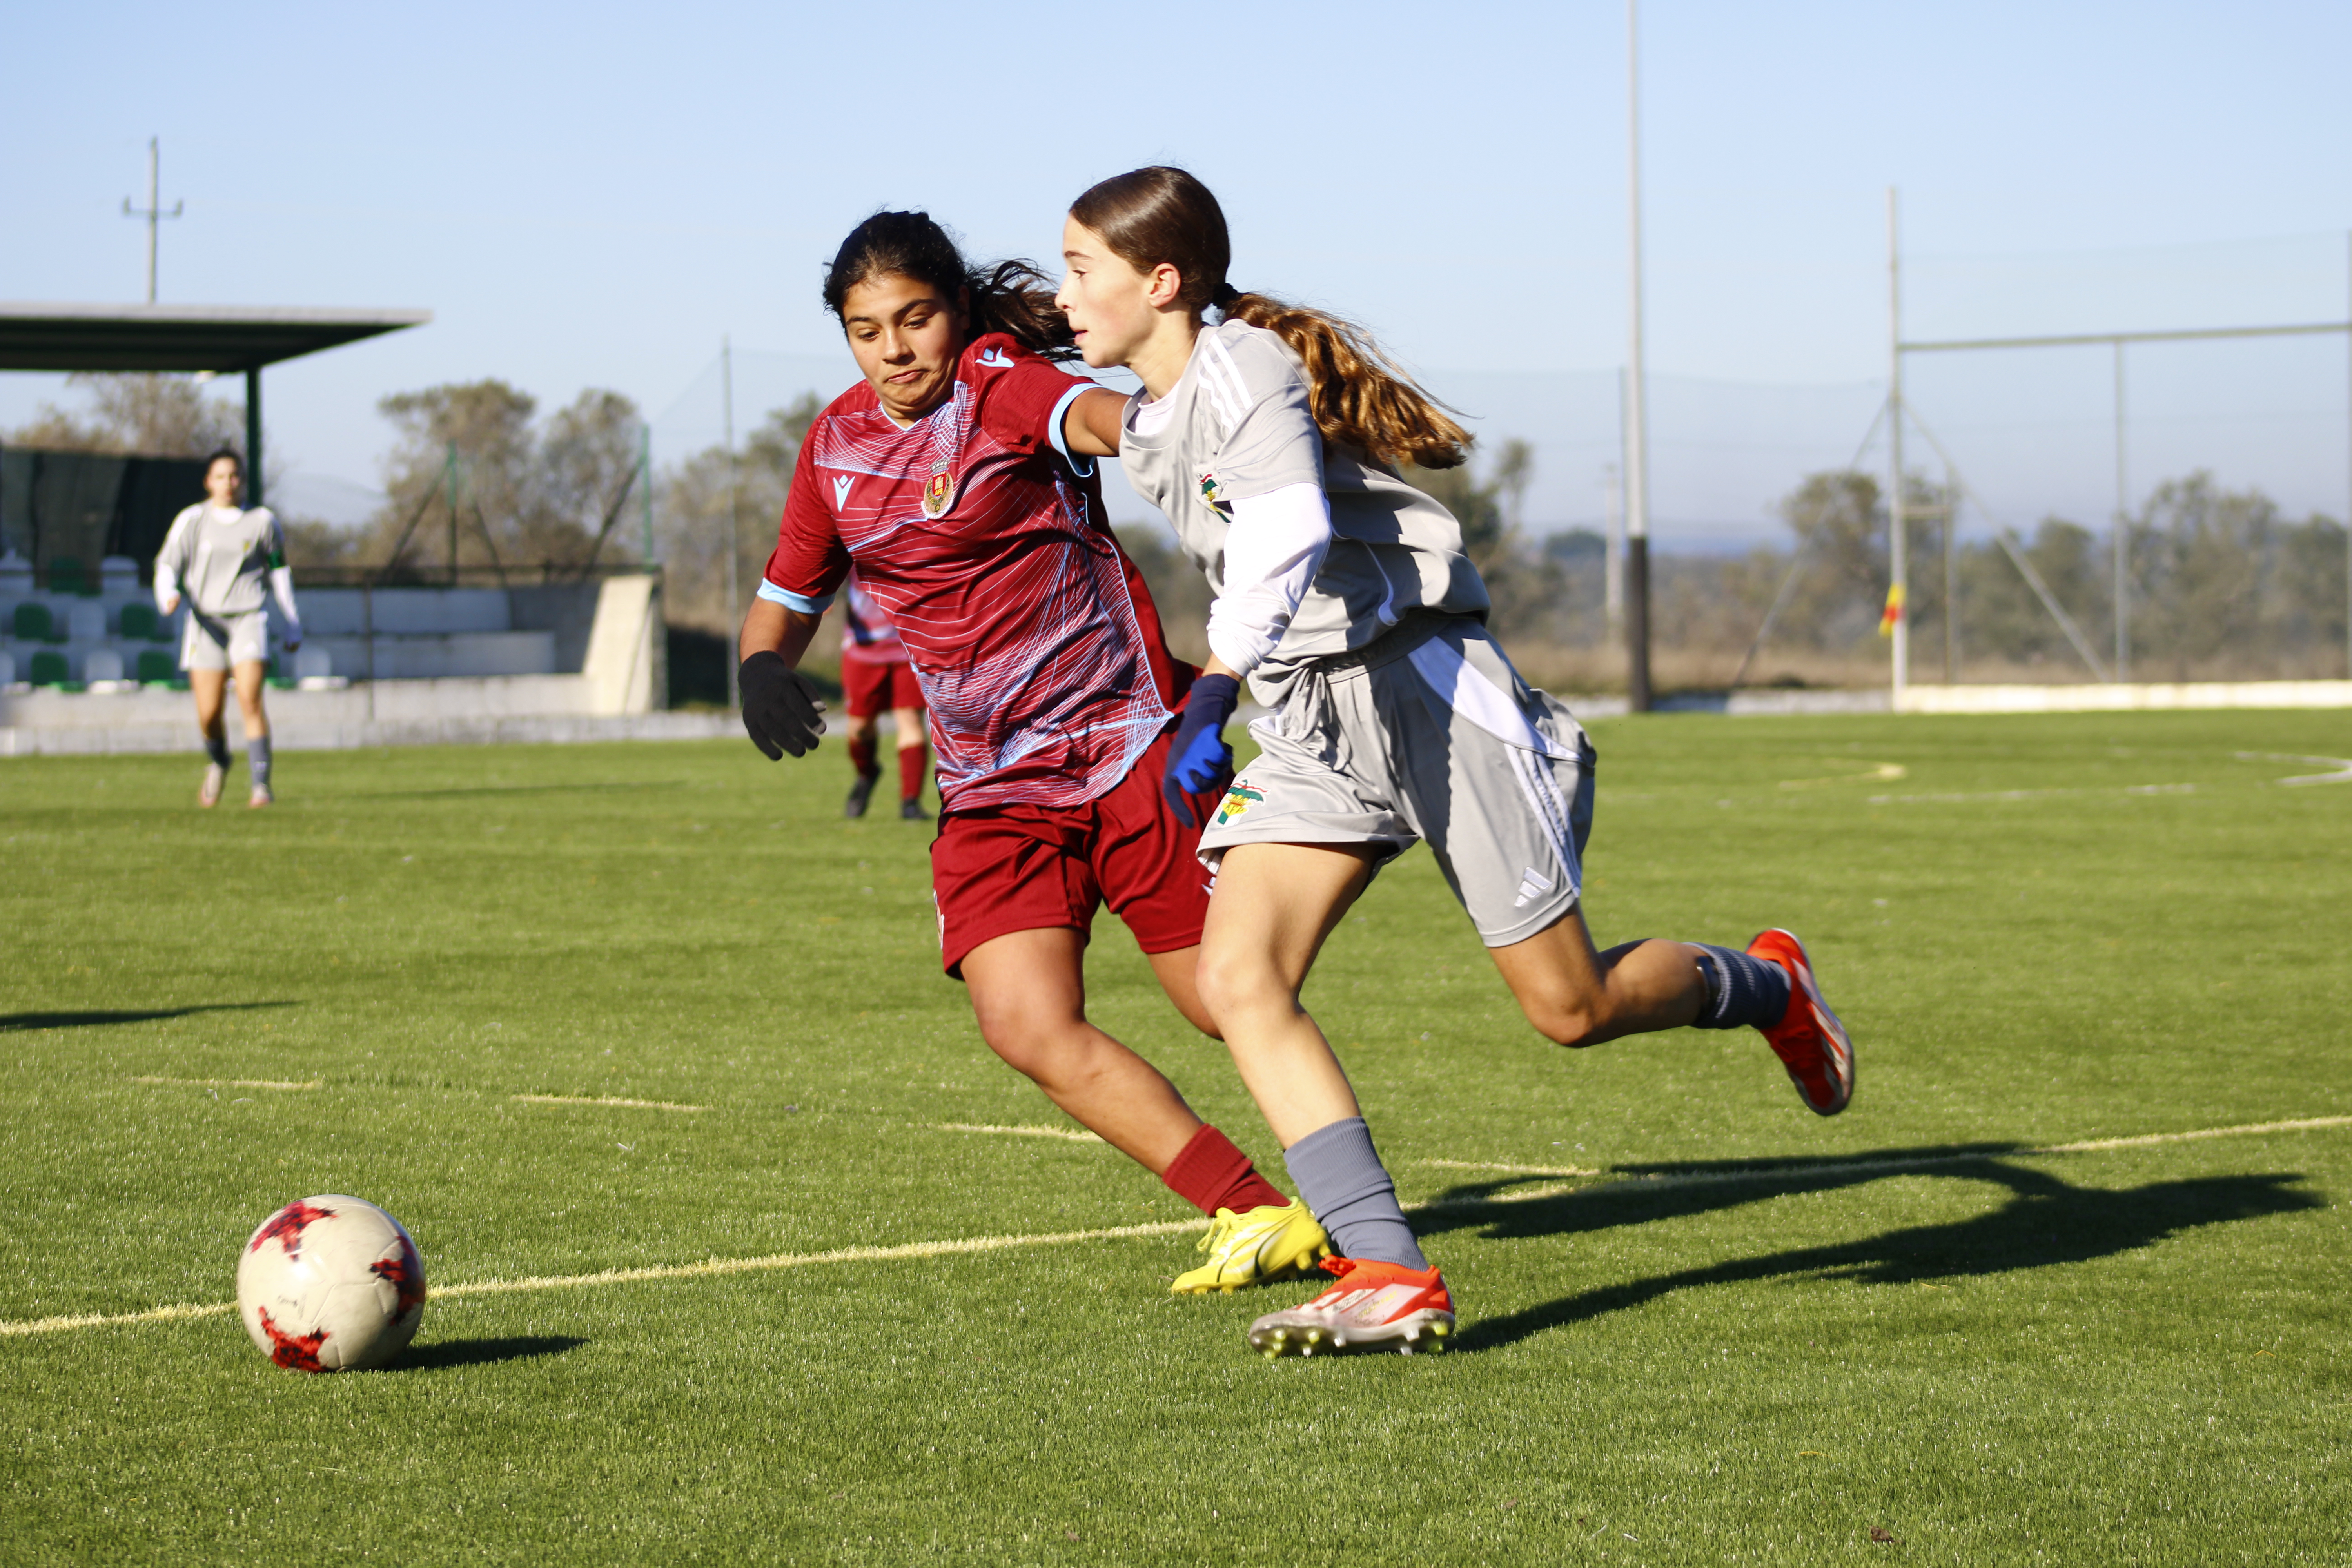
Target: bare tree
(155, 416)
(703, 502)
(520, 496)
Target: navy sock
(1742, 991)
(256, 759)
(217, 749)
(1343, 1182)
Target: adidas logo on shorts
(1533, 885)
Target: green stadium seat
(49, 668)
(138, 623)
(155, 665)
(66, 577)
(31, 623)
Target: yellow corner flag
(1893, 613)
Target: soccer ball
(331, 1284)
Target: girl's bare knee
(1229, 983)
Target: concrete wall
(620, 685)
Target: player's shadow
(482, 1352)
(2045, 1221)
(13, 1021)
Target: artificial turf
(1893, 1324)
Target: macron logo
(841, 492)
(996, 359)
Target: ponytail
(1016, 299)
(1360, 399)
(1012, 297)
(1358, 396)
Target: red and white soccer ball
(331, 1284)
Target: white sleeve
(282, 588)
(1273, 549)
(171, 558)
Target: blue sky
(592, 195)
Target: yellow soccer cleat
(1254, 1247)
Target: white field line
(708, 1269)
(2032, 794)
(227, 1082)
(1880, 773)
(722, 1266)
(1063, 1133)
(1515, 1170)
(607, 1099)
(2343, 766)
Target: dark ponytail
(1361, 398)
(1012, 297)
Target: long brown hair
(1012, 297)
(1359, 397)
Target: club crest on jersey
(1213, 494)
(1238, 799)
(939, 494)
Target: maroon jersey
(1036, 643)
(868, 636)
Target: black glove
(1198, 759)
(781, 711)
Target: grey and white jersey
(1236, 426)
(222, 557)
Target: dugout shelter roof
(219, 337)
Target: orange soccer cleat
(1808, 1039)
(1371, 1306)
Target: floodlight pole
(153, 213)
(1898, 549)
(252, 433)
(646, 486)
(449, 474)
(1637, 435)
(2123, 533)
(734, 512)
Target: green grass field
(1752, 1336)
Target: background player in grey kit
(1271, 440)
(228, 562)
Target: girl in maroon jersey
(957, 478)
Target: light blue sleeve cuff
(1082, 466)
(792, 601)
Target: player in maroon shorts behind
(875, 678)
(958, 479)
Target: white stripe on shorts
(1468, 692)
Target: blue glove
(1199, 760)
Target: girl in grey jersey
(1271, 440)
(228, 562)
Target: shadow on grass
(482, 1352)
(2046, 1221)
(13, 1021)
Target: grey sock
(257, 758)
(1742, 993)
(216, 748)
(1343, 1182)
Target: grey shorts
(1427, 735)
(223, 641)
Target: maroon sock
(913, 761)
(1211, 1175)
(861, 755)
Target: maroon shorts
(876, 686)
(1033, 868)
